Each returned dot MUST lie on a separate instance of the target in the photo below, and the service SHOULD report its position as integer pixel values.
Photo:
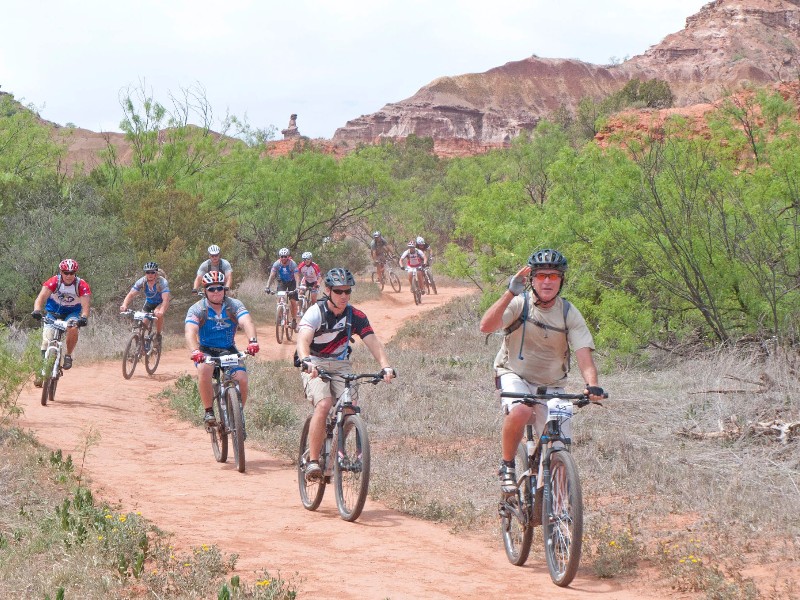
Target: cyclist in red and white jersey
(64, 296)
(414, 260)
(310, 274)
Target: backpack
(77, 285)
(324, 328)
(228, 305)
(523, 319)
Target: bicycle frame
(55, 345)
(231, 417)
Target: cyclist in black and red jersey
(425, 248)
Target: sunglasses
(149, 272)
(214, 255)
(340, 292)
(68, 272)
(218, 288)
(547, 276)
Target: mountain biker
(378, 249)
(214, 263)
(156, 295)
(64, 296)
(210, 329)
(310, 275)
(288, 280)
(323, 340)
(536, 350)
(414, 259)
(425, 248)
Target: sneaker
(313, 471)
(67, 362)
(508, 479)
(209, 419)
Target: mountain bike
(141, 344)
(416, 291)
(53, 356)
(283, 325)
(303, 300)
(391, 276)
(345, 452)
(548, 491)
(229, 410)
(430, 284)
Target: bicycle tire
(47, 368)
(417, 293)
(152, 358)
(131, 357)
(562, 519)
(431, 282)
(219, 439)
(279, 324)
(394, 280)
(516, 526)
(235, 424)
(351, 468)
(310, 492)
(289, 330)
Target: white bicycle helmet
(283, 253)
(213, 277)
(213, 249)
(420, 240)
(307, 256)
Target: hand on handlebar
(83, 321)
(388, 373)
(37, 314)
(252, 348)
(198, 356)
(268, 291)
(595, 392)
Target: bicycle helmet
(548, 259)
(150, 266)
(339, 276)
(213, 249)
(411, 244)
(307, 256)
(376, 234)
(420, 240)
(283, 253)
(68, 264)
(213, 277)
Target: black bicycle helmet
(339, 276)
(548, 259)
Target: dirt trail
(149, 461)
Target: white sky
(329, 61)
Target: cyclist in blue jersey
(288, 278)
(210, 329)
(156, 295)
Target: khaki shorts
(316, 389)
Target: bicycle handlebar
(531, 399)
(218, 360)
(137, 313)
(374, 377)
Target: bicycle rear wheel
(351, 468)
(279, 317)
(431, 282)
(289, 331)
(131, 357)
(152, 358)
(515, 516)
(394, 280)
(219, 439)
(562, 519)
(311, 492)
(235, 424)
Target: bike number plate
(281, 293)
(139, 315)
(558, 409)
(229, 360)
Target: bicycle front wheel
(351, 468)
(515, 516)
(311, 492)
(219, 439)
(49, 390)
(562, 519)
(152, 358)
(415, 290)
(394, 280)
(131, 357)
(235, 424)
(279, 318)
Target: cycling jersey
(65, 299)
(285, 271)
(330, 331)
(415, 259)
(219, 329)
(378, 245)
(310, 273)
(152, 295)
(206, 267)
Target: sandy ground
(148, 461)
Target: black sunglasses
(340, 292)
(219, 288)
(68, 272)
(150, 272)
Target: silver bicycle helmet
(339, 276)
(213, 249)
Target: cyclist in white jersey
(310, 274)
(414, 260)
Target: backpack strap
(227, 305)
(523, 319)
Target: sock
(509, 463)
